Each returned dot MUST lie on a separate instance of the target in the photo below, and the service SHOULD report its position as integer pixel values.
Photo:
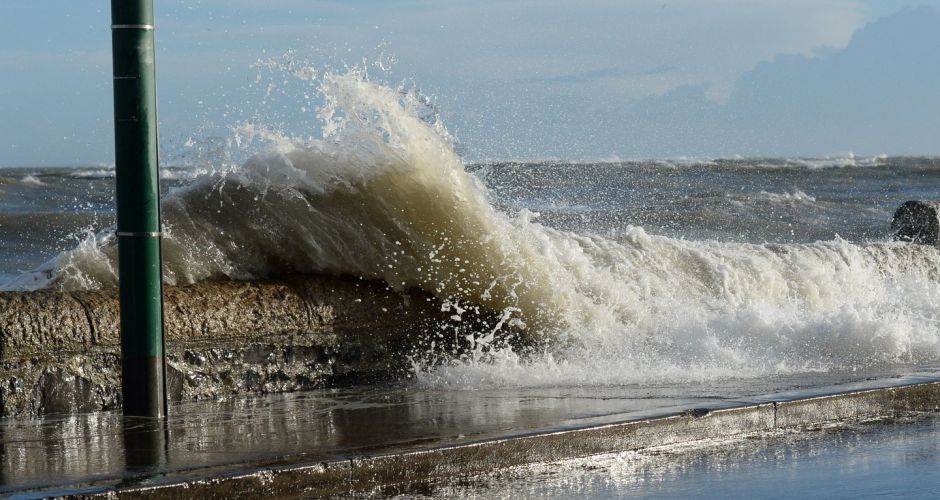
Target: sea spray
(693, 311)
(383, 195)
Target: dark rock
(174, 382)
(917, 222)
(259, 354)
(60, 391)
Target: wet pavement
(94, 451)
(881, 460)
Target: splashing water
(383, 195)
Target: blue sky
(512, 79)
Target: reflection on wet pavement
(893, 460)
(104, 449)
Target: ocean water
(621, 272)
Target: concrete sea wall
(60, 351)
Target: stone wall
(60, 351)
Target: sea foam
(383, 195)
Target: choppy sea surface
(629, 271)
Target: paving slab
(336, 441)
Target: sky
(522, 79)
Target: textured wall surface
(59, 351)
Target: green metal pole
(138, 209)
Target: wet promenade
(897, 459)
(99, 452)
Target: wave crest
(383, 195)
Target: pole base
(143, 384)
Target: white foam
(838, 161)
(93, 173)
(31, 180)
(383, 195)
(790, 197)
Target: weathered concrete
(917, 222)
(42, 322)
(59, 351)
(390, 467)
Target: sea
(620, 272)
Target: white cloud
(484, 58)
(492, 42)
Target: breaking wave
(383, 195)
